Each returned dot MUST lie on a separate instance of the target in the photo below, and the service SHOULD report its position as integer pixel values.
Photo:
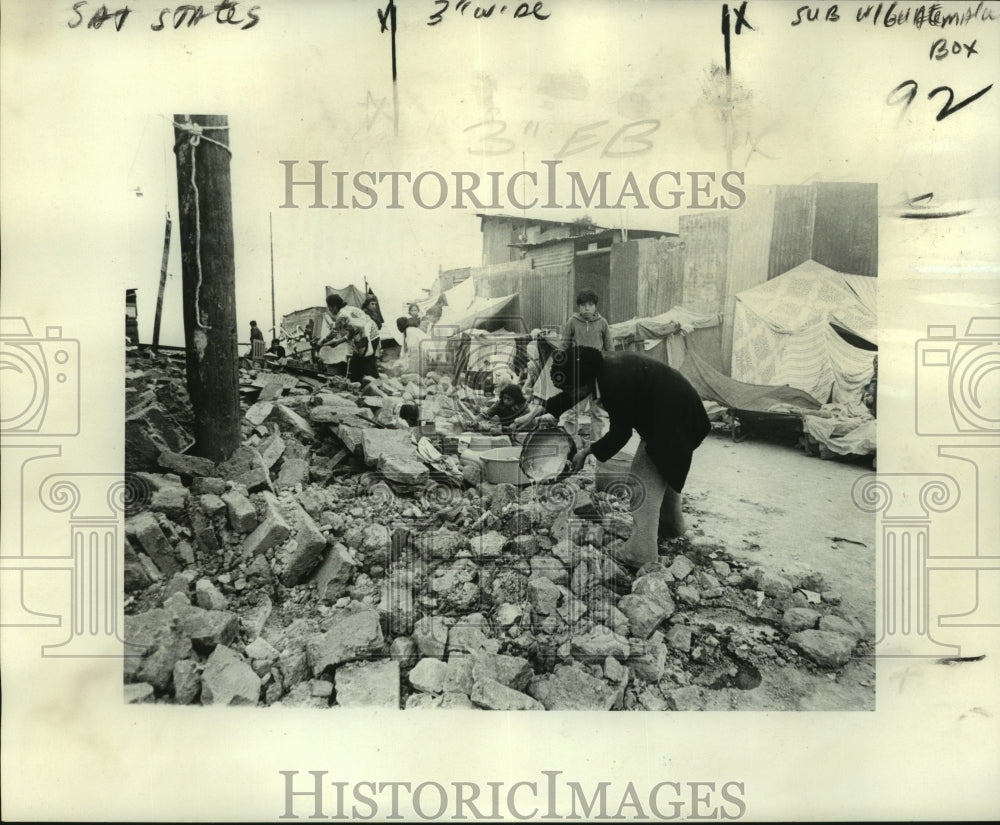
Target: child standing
(588, 328)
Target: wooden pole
(206, 227)
(163, 283)
(274, 321)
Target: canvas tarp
(712, 385)
(782, 332)
(666, 337)
(351, 294)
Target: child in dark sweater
(508, 406)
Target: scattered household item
(502, 466)
(545, 454)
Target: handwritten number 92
(906, 91)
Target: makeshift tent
(783, 332)
(351, 294)
(666, 337)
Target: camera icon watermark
(41, 381)
(966, 372)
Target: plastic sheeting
(782, 332)
(662, 336)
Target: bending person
(655, 400)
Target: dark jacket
(647, 396)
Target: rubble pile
(338, 559)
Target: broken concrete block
(681, 567)
(407, 471)
(241, 512)
(431, 635)
(138, 575)
(300, 557)
(543, 595)
(163, 646)
(208, 597)
(246, 466)
(396, 604)
(800, 618)
(551, 568)
(651, 663)
(144, 530)
(368, 684)
(187, 682)
(272, 530)
(375, 443)
(428, 675)
(149, 431)
(836, 624)
(351, 635)
(644, 614)
(271, 449)
(511, 671)
(826, 648)
(211, 504)
(572, 688)
(679, 637)
(139, 693)
(228, 680)
(186, 465)
(599, 644)
(334, 574)
(289, 420)
(685, 698)
(258, 413)
(490, 694)
(294, 472)
(351, 437)
(656, 588)
(201, 486)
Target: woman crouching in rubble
(647, 396)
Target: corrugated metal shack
(713, 256)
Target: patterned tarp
(782, 333)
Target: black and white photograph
(629, 362)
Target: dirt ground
(772, 505)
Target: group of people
(625, 392)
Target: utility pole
(206, 226)
(274, 321)
(163, 283)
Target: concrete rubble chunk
(208, 596)
(685, 698)
(679, 637)
(428, 675)
(171, 500)
(656, 588)
(139, 693)
(272, 530)
(376, 443)
(490, 694)
(431, 635)
(836, 624)
(162, 644)
(258, 413)
(290, 420)
(650, 664)
(681, 567)
(799, 618)
(202, 485)
(351, 437)
(205, 628)
(245, 466)
(138, 574)
(300, 557)
(368, 684)
(352, 634)
(512, 671)
(543, 595)
(771, 583)
(240, 511)
(149, 432)
(271, 449)
(570, 687)
(599, 644)
(144, 530)
(644, 614)
(335, 573)
(186, 465)
(293, 472)
(211, 504)
(228, 680)
(187, 682)
(826, 648)
(397, 605)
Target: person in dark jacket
(657, 402)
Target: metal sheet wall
(792, 228)
(624, 286)
(845, 233)
(660, 275)
(557, 254)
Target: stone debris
(342, 558)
